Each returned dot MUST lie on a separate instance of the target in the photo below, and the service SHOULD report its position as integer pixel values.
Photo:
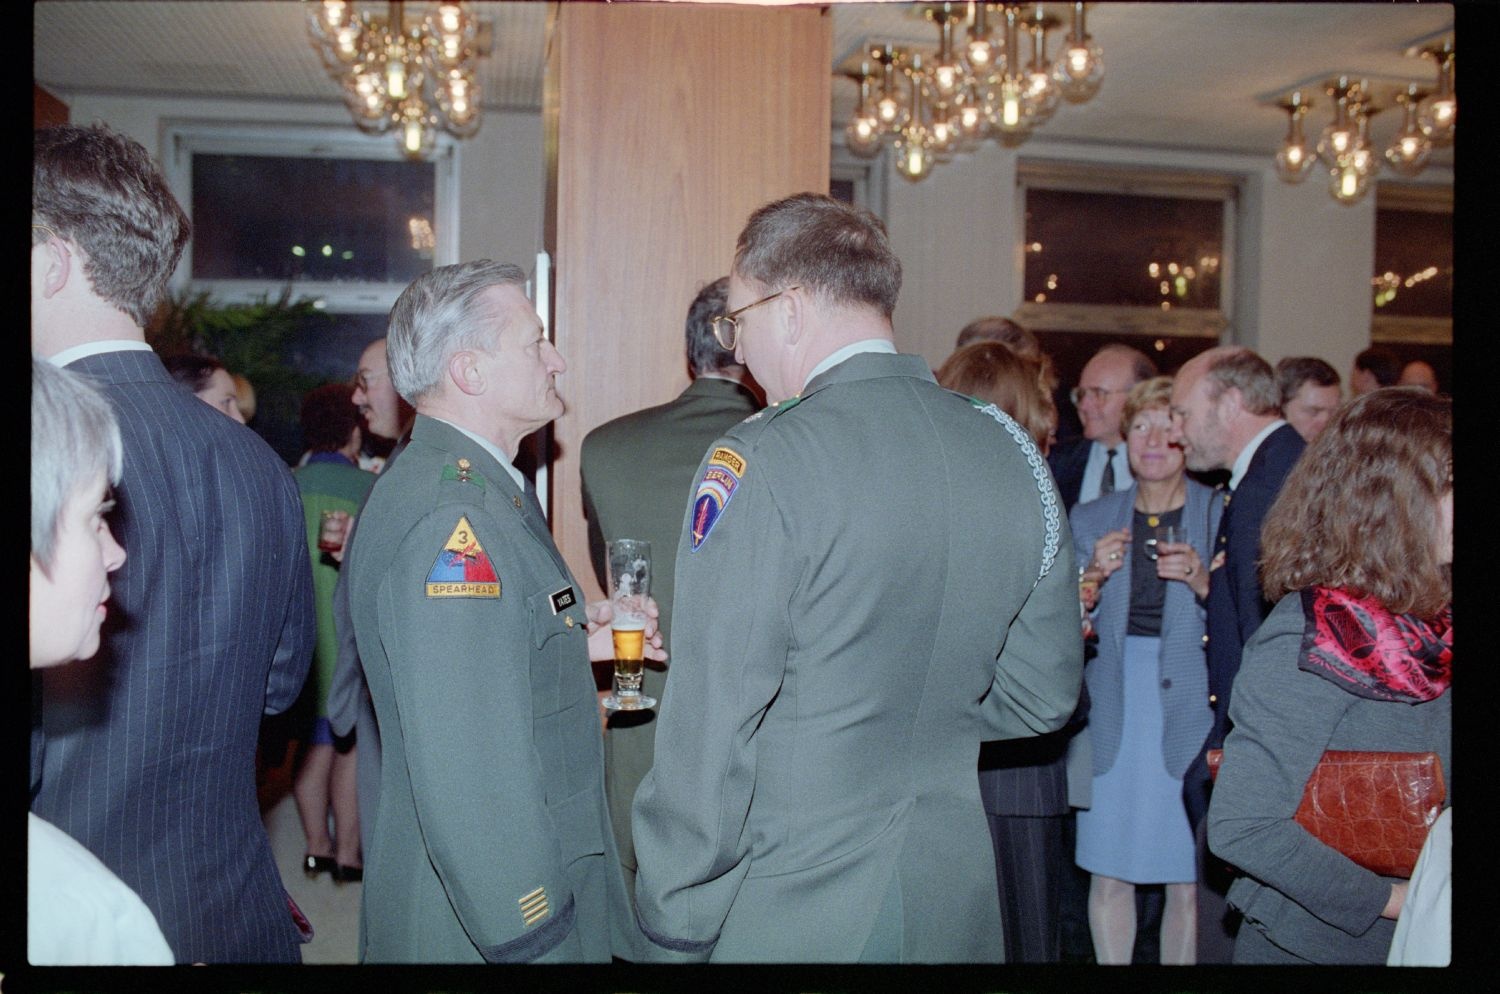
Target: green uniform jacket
(889, 583)
(492, 842)
(637, 474)
(327, 486)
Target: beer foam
(628, 623)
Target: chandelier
(414, 78)
(982, 84)
(1344, 148)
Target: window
(315, 213)
(1412, 286)
(1125, 252)
(345, 220)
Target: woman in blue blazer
(1148, 684)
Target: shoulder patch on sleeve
(462, 567)
(1051, 512)
(720, 479)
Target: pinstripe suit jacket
(150, 747)
(1184, 675)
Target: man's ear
(791, 309)
(464, 371)
(57, 266)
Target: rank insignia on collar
(721, 478)
(462, 568)
(463, 473)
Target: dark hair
(1016, 384)
(1359, 509)
(1295, 370)
(1381, 363)
(192, 370)
(1002, 330)
(100, 190)
(328, 417)
(830, 249)
(704, 354)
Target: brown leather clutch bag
(1374, 807)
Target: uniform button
(517, 502)
(568, 620)
(1166, 684)
(1205, 640)
(1213, 698)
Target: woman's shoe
(314, 865)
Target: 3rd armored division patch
(721, 477)
(462, 568)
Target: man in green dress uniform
(493, 841)
(637, 473)
(874, 576)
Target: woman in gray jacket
(1149, 683)
(1357, 655)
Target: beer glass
(629, 588)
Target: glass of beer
(629, 588)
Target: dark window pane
(1122, 250)
(1413, 264)
(258, 217)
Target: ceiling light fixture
(1345, 148)
(963, 93)
(415, 78)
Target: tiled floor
(332, 908)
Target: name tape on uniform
(462, 568)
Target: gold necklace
(1153, 518)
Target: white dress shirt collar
(97, 348)
(1242, 464)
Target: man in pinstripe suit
(146, 753)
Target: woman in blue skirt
(1148, 684)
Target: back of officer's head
(832, 250)
(704, 353)
(440, 313)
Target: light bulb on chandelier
(413, 79)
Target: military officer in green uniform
(637, 473)
(874, 576)
(493, 841)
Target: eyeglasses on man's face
(727, 326)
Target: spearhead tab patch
(462, 568)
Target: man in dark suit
(1226, 415)
(492, 842)
(1096, 463)
(869, 584)
(147, 752)
(637, 472)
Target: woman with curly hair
(1357, 655)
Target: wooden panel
(667, 125)
(46, 110)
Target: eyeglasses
(49, 231)
(1097, 394)
(729, 338)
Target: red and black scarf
(1372, 653)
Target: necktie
(1107, 481)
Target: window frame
(1179, 322)
(1402, 329)
(183, 139)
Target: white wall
(1303, 261)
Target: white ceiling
(1178, 75)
